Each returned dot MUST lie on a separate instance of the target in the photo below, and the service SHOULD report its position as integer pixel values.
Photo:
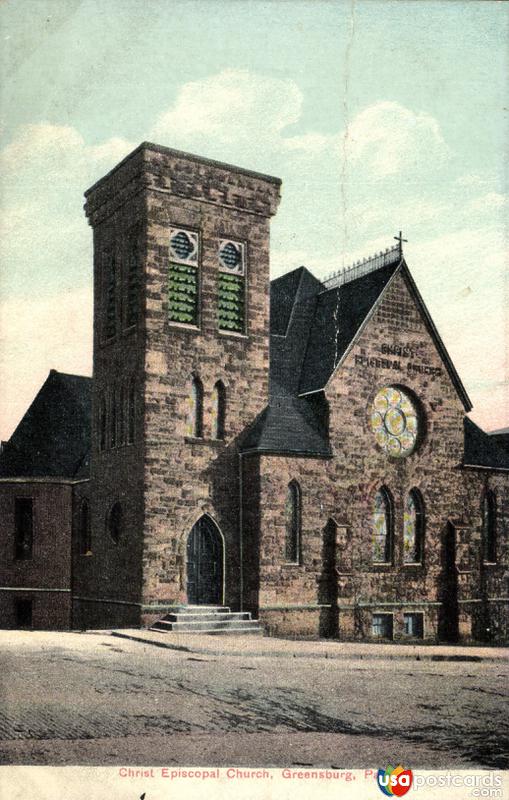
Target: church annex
(298, 449)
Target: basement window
(382, 626)
(23, 613)
(414, 625)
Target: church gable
(398, 343)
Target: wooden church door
(205, 564)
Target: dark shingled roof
(338, 316)
(53, 438)
(312, 328)
(290, 425)
(483, 450)
(501, 438)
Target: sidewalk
(270, 646)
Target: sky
(378, 115)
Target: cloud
(388, 138)
(332, 213)
(45, 240)
(236, 108)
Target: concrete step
(206, 626)
(253, 631)
(219, 616)
(203, 609)
(208, 620)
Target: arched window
(121, 415)
(293, 523)
(195, 411)
(489, 527)
(130, 413)
(102, 423)
(383, 527)
(84, 529)
(413, 528)
(114, 522)
(218, 410)
(114, 418)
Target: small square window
(414, 625)
(382, 626)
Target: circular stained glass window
(394, 421)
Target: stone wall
(343, 488)
(186, 477)
(167, 480)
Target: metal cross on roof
(400, 240)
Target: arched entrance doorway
(205, 553)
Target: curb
(329, 656)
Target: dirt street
(70, 698)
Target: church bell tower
(181, 361)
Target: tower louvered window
(183, 279)
(231, 286)
(110, 265)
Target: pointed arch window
(293, 523)
(130, 413)
(114, 418)
(102, 423)
(413, 528)
(195, 410)
(218, 410)
(122, 415)
(85, 540)
(111, 291)
(489, 527)
(133, 280)
(114, 522)
(383, 527)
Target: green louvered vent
(183, 294)
(231, 302)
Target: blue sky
(376, 115)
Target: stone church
(297, 450)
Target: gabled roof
(339, 315)
(53, 438)
(313, 326)
(290, 425)
(483, 450)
